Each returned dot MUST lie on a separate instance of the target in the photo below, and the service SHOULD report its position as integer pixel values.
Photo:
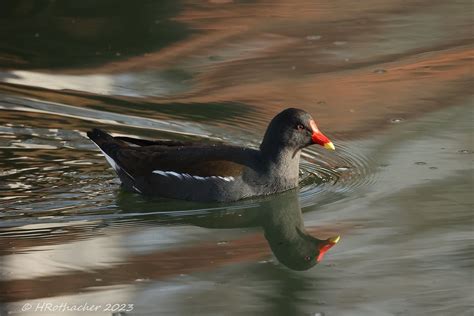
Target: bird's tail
(107, 144)
(100, 137)
(110, 147)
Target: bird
(203, 172)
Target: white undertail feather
(114, 165)
(110, 161)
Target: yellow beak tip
(329, 145)
(334, 240)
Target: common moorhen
(213, 172)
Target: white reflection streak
(109, 118)
(82, 255)
(100, 84)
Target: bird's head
(295, 129)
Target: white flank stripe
(179, 175)
(187, 176)
(163, 173)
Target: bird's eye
(300, 127)
(307, 258)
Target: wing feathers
(174, 158)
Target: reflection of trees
(47, 34)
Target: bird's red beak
(319, 138)
(326, 246)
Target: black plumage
(212, 172)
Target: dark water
(390, 83)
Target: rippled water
(389, 82)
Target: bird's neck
(282, 163)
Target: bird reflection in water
(284, 230)
(279, 216)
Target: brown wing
(195, 160)
(148, 142)
(212, 168)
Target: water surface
(388, 82)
